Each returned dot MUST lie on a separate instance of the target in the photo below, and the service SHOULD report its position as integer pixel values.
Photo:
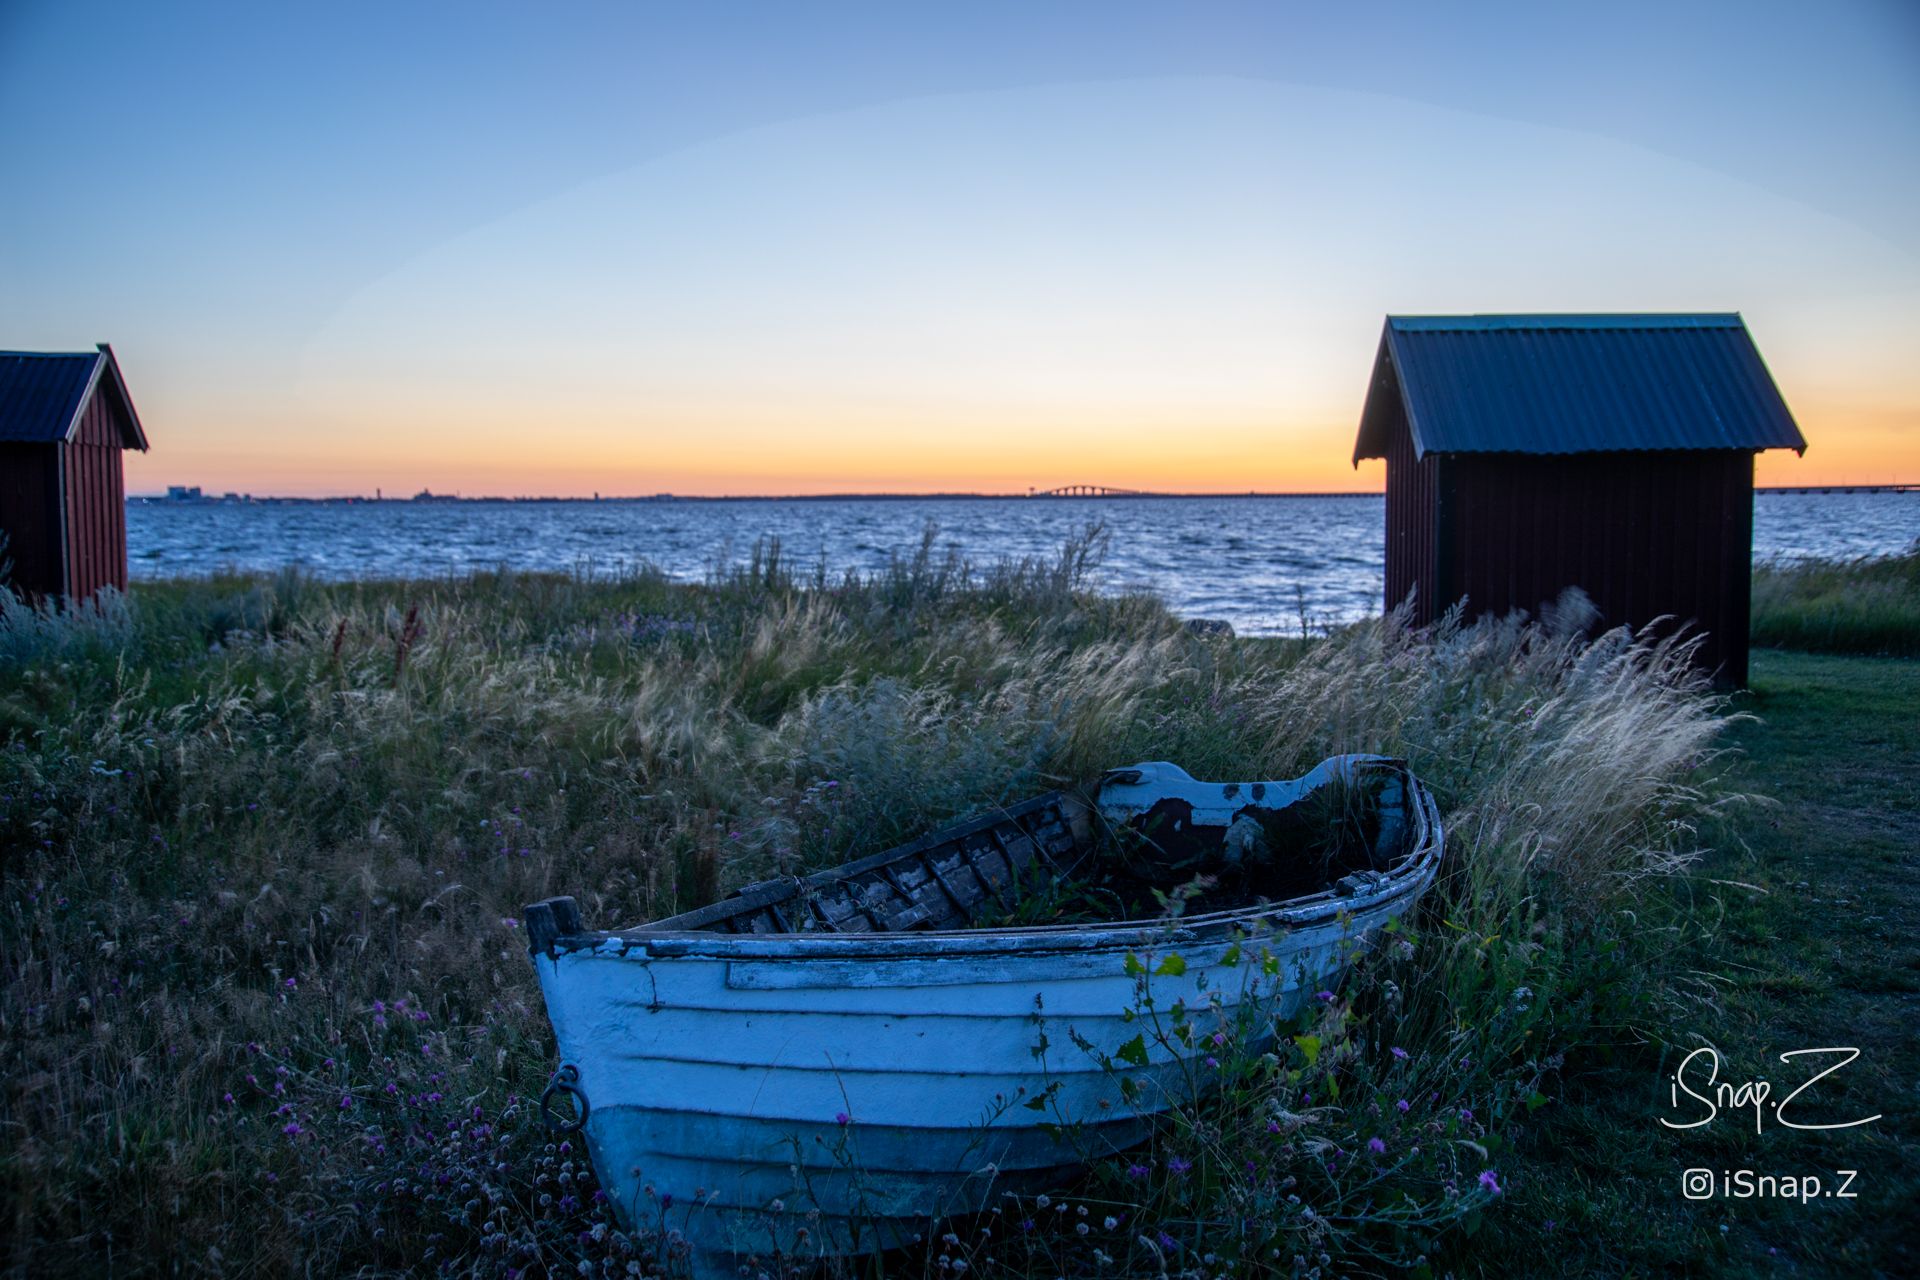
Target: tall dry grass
(1869, 605)
(266, 1003)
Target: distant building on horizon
(65, 419)
(1531, 453)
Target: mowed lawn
(1806, 935)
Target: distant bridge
(1839, 488)
(1087, 491)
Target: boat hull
(818, 1093)
(791, 1104)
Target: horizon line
(428, 497)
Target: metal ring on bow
(566, 1080)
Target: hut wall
(30, 515)
(1411, 529)
(1645, 535)
(96, 501)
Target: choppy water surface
(1257, 562)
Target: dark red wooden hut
(63, 421)
(1614, 453)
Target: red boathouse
(64, 420)
(1614, 453)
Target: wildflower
(1490, 1181)
(841, 1117)
(1403, 1106)
(1399, 1053)
(291, 983)
(1376, 1146)
(1110, 1222)
(1213, 1062)
(1466, 1115)
(1134, 1171)
(346, 1102)
(1178, 1166)
(508, 922)
(292, 1129)
(1167, 1241)
(1324, 995)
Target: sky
(744, 248)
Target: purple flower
(1137, 1171)
(292, 1130)
(1376, 1146)
(1466, 1115)
(1490, 1181)
(509, 922)
(1324, 995)
(346, 1102)
(291, 983)
(841, 1117)
(227, 1098)
(1167, 1241)
(1403, 1106)
(1399, 1053)
(1178, 1166)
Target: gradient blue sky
(759, 248)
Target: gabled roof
(1553, 384)
(42, 395)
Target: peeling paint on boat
(826, 1093)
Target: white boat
(826, 1066)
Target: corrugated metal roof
(42, 393)
(1551, 384)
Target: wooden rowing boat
(824, 1066)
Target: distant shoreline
(446, 499)
(214, 500)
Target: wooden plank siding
(1647, 536)
(96, 500)
(1411, 488)
(30, 515)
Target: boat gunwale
(1409, 877)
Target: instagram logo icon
(1697, 1184)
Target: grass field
(1807, 935)
(1869, 606)
(267, 1007)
